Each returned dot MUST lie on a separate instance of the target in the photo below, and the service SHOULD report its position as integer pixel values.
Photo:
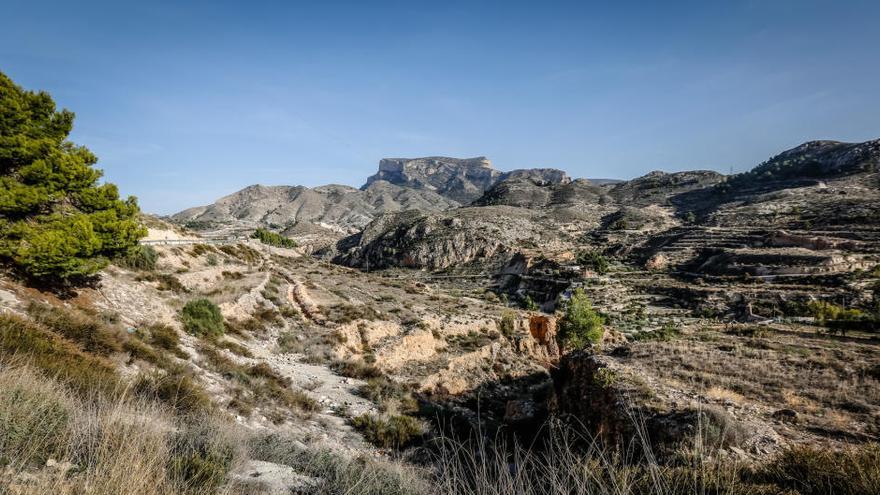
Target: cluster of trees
(273, 238)
(57, 221)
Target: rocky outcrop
(440, 240)
(536, 191)
(540, 340)
(461, 180)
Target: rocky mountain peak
(459, 179)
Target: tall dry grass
(55, 441)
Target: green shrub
(581, 325)
(825, 311)
(165, 337)
(57, 223)
(389, 395)
(395, 432)
(273, 238)
(202, 317)
(139, 258)
(530, 305)
(507, 324)
(165, 281)
(593, 260)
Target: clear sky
(187, 101)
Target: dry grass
(826, 380)
(46, 350)
(124, 446)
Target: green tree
(56, 221)
(581, 324)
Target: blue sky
(187, 101)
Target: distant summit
(459, 179)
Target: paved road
(171, 242)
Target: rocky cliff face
(439, 240)
(461, 180)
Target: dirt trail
(299, 296)
(336, 394)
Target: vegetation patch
(593, 260)
(142, 258)
(57, 356)
(164, 282)
(273, 238)
(177, 388)
(665, 333)
(86, 330)
(356, 369)
(390, 432)
(581, 325)
(58, 223)
(202, 317)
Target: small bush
(235, 348)
(355, 369)
(388, 395)
(529, 304)
(164, 282)
(202, 317)
(809, 470)
(389, 432)
(288, 343)
(347, 313)
(202, 455)
(200, 249)
(581, 325)
(273, 238)
(176, 388)
(165, 337)
(507, 324)
(142, 258)
(593, 260)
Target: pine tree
(581, 325)
(57, 222)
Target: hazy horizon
(184, 104)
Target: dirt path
(336, 394)
(299, 296)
